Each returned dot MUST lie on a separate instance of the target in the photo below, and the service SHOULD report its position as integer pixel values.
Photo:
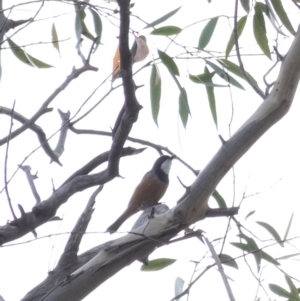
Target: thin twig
(157, 147)
(236, 40)
(221, 270)
(6, 160)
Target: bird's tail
(116, 225)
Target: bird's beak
(173, 157)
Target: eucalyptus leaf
(277, 4)
(155, 92)
(240, 27)
(166, 31)
(163, 18)
(207, 32)
(259, 30)
(157, 264)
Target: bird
(148, 192)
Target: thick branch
(44, 211)
(36, 129)
(132, 106)
(72, 246)
(194, 207)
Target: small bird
(150, 190)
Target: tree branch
(45, 210)
(74, 74)
(36, 129)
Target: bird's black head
(162, 167)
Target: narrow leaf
(37, 63)
(253, 248)
(288, 227)
(97, 26)
(228, 260)
(245, 5)
(155, 92)
(163, 18)
(249, 214)
(19, 52)
(235, 69)
(207, 32)
(205, 79)
(225, 76)
(166, 31)
(157, 264)
(213, 110)
(168, 62)
(80, 26)
(283, 16)
(55, 38)
(268, 10)
(293, 289)
(242, 246)
(259, 30)
(184, 109)
(25, 57)
(288, 256)
(240, 27)
(280, 291)
(220, 200)
(272, 231)
(269, 258)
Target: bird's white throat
(166, 166)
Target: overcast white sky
(270, 168)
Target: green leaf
(25, 57)
(269, 258)
(225, 76)
(205, 79)
(245, 4)
(235, 69)
(283, 16)
(207, 32)
(37, 63)
(220, 200)
(280, 291)
(157, 264)
(166, 31)
(240, 27)
(163, 18)
(272, 231)
(97, 26)
(80, 27)
(168, 62)
(228, 260)
(242, 246)
(253, 248)
(155, 92)
(55, 38)
(78, 22)
(288, 227)
(184, 109)
(268, 10)
(249, 214)
(19, 52)
(213, 110)
(288, 256)
(259, 30)
(294, 290)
